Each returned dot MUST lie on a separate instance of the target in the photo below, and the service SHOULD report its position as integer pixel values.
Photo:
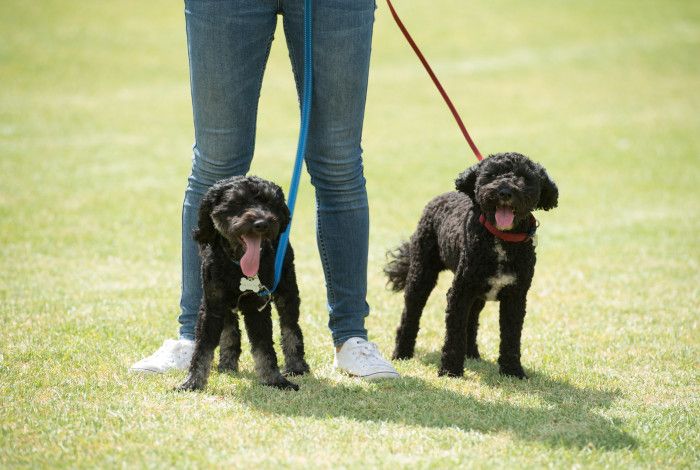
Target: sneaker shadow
(562, 415)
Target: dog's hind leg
(230, 344)
(421, 279)
(472, 327)
(259, 328)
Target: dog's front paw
(512, 370)
(450, 372)
(190, 384)
(283, 384)
(296, 368)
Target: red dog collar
(510, 236)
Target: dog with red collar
(485, 234)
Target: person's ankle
(339, 346)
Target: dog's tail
(396, 268)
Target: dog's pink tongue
(504, 217)
(250, 263)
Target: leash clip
(267, 296)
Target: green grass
(95, 131)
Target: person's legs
(228, 45)
(342, 36)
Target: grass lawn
(95, 136)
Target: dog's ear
(282, 209)
(205, 231)
(466, 181)
(549, 193)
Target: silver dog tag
(252, 284)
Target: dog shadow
(563, 415)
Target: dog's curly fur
(450, 236)
(230, 209)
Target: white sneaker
(361, 358)
(174, 354)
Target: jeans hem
(340, 340)
(187, 336)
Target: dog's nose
(261, 225)
(505, 193)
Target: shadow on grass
(562, 415)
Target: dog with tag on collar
(485, 234)
(240, 222)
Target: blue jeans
(229, 43)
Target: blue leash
(301, 146)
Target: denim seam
(292, 57)
(260, 80)
(324, 258)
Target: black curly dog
(240, 220)
(461, 231)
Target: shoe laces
(368, 351)
(169, 349)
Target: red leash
(435, 80)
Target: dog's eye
(229, 213)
